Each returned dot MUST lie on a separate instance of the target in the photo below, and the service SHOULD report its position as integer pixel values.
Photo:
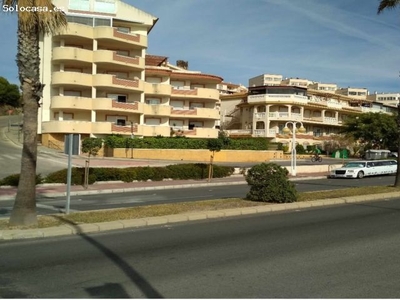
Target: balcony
(77, 30)
(111, 81)
(84, 127)
(107, 104)
(331, 120)
(111, 57)
(157, 89)
(335, 105)
(198, 93)
(112, 34)
(259, 133)
(72, 54)
(198, 112)
(71, 79)
(70, 102)
(277, 98)
(200, 132)
(260, 116)
(156, 110)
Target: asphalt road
(10, 154)
(345, 251)
(130, 199)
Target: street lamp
(132, 136)
(286, 130)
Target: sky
(330, 41)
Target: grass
(185, 207)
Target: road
(345, 251)
(130, 199)
(10, 154)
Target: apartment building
(228, 88)
(100, 81)
(266, 79)
(323, 87)
(356, 93)
(386, 98)
(296, 82)
(265, 111)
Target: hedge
(117, 141)
(179, 171)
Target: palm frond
(47, 20)
(387, 4)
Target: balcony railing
(330, 120)
(277, 98)
(259, 132)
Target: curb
(147, 188)
(64, 230)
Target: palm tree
(30, 26)
(384, 5)
(387, 4)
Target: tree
(91, 146)
(373, 130)
(30, 26)
(387, 4)
(214, 145)
(9, 93)
(383, 5)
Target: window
(80, 20)
(117, 97)
(123, 52)
(153, 101)
(121, 122)
(193, 125)
(194, 105)
(102, 22)
(152, 122)
(65, 116)
(176, 104)
(123, 29)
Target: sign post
(69, 174)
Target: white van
(360, 169)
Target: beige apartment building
(386, 98)
(265, 110)
(100, 80)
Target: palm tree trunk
(397, 181)
(28, 61)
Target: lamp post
(132, 136)
(286, 129)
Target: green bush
(77, 176)
(300, 149)
(270, 183)
(117, 141)
(179, 171)
(127, 175)
(13, 180)
(107, 174)
(144, 173)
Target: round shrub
(270, 183)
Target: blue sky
(331, 41)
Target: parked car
(360, 169)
